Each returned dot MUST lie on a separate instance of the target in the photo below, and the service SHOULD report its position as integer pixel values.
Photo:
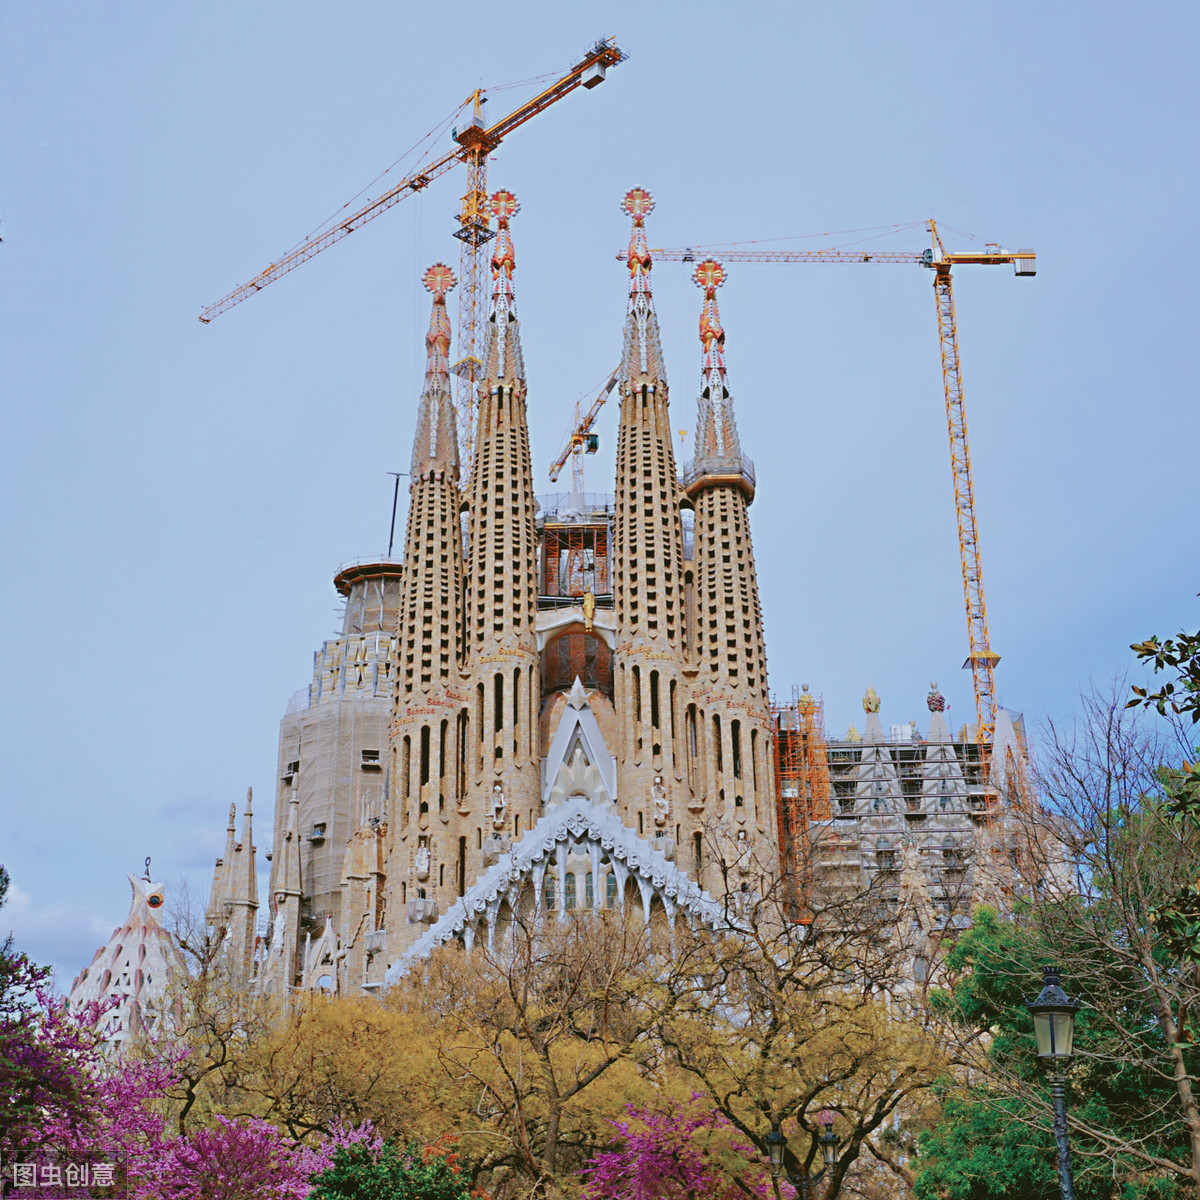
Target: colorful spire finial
(439, 279)
(504, 206)
(935, 700)
(435, 444)
(502, 350)
(718, 448)
(638, 204)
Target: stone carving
(935, 700)
(871, 701)
(499, 807)
(662, 806)
(421, 861)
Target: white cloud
(64, 936)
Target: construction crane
(982, 659)
(474, 141)
(581, 440)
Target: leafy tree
(1102, 855)
(394, 1171)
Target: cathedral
(562, 703)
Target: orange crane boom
(474, 142)
(981, 659)
(577, 440)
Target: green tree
(1101, 855)
(395, 1171)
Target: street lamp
(1053, 1015)
(803, 1182)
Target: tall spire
(641, 360)
(435, 443)
(718, 449)
(502, 358)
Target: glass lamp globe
(1053, 1015)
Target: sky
(178, 496)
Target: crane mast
(981, 659)
(473, 143)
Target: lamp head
(1053, 1015)
(775, 1144)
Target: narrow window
(735, 733)
(424, 755)
(717, 743)
(636, 680)
(589, 891)
(639, 822)
(443, 733)
(462, 865)
(655, 716)
(698, 849)
(569, 890)
(406, 766)
(754, 758)
(498, 697)
(610, 890)
(479, 713)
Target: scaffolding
(802, 786)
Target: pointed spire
(502, 358)
(435, 444)
(641, 361)
(215, 914)
(718, 449)
(243, 881)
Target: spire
(718, 450)
(435, 444)
(502, 358)
(215, 915)
(641, 359)
(243, 878)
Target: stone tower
(429, 732)
(502, 649)
(730, 716)
(648, 576)
(332, 762)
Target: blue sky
(177, 497)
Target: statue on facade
(421, 861)
(658, 797)
(499, 806)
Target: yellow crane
(981, 659)
(474, 141)
(581, 440)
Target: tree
(682, 1151)
(394, 1171)
(1101, 855)
(779, 1020)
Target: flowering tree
(682, 1152)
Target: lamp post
(1053, 1015)
(803, 1182)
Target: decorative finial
(806, 703)
(935, 699)
(439, 279)
(249, 798)
(504, 206)
(232, 817)
(709, 276)
(146, 872)
(638, 204)
(871, 701)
